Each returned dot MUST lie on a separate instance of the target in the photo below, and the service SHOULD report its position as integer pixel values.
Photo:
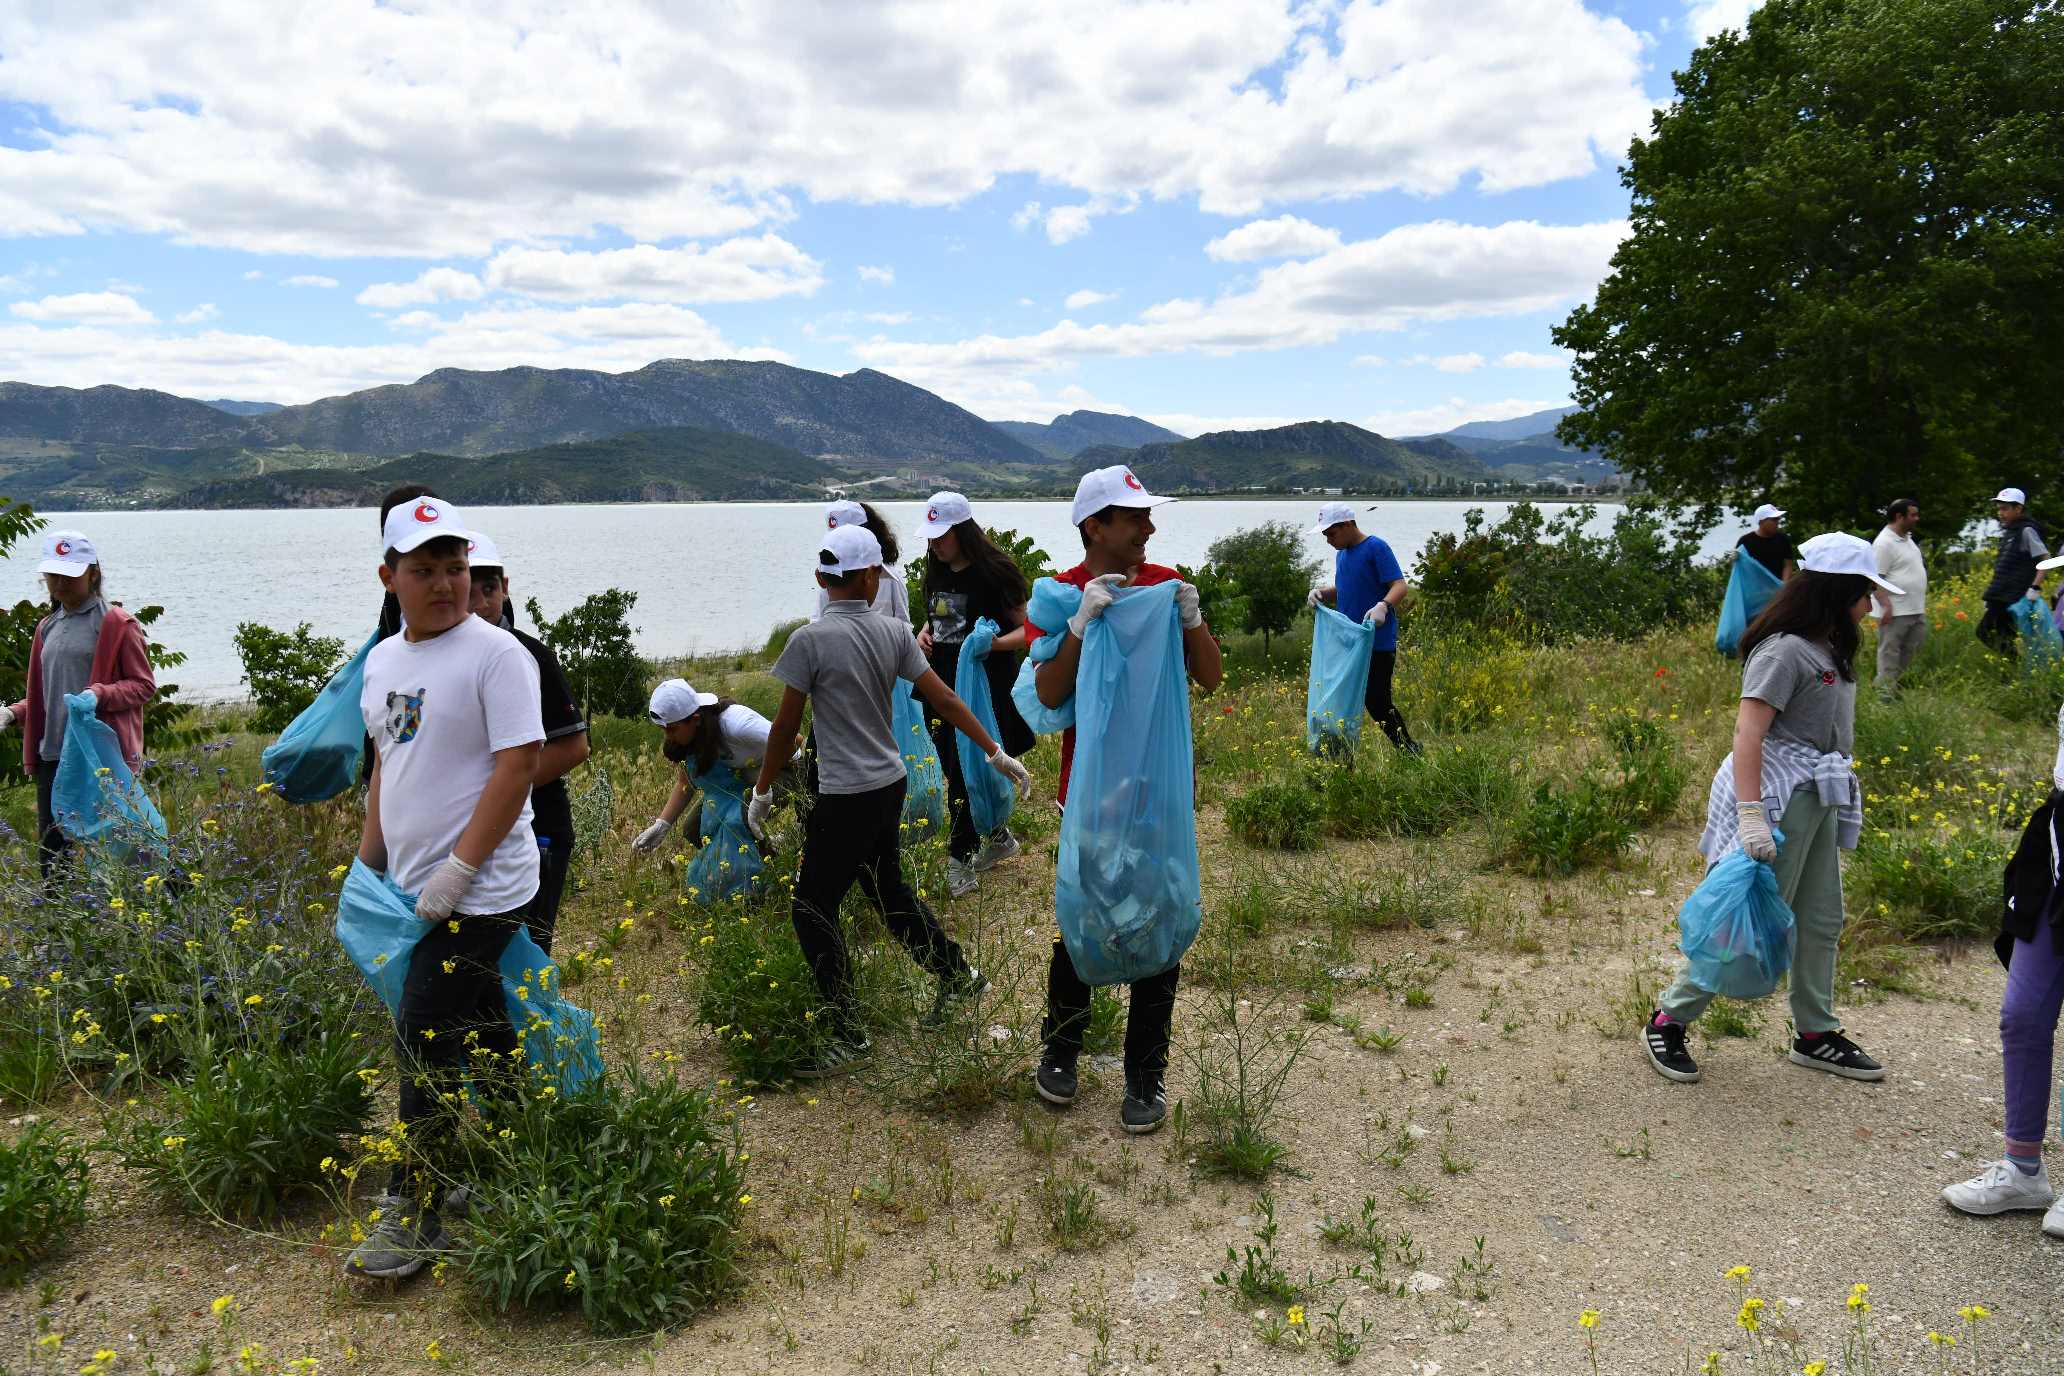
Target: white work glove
(6, 717)
(1100, 593)
(448, 884)
(756, 812)
(1754, 830)
(1313, 598)
(1192, 604)
(92, 698)
(650, 838)
(1377, 614)
(1012, 769)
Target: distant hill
(112, 415)
(1517, 428)
(1066, 436)
(1525, 449)
(244, 408)
(1307, 455)
(677, 464)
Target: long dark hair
(878, 525)
(1813, 606)
(991, 564)
(709, 734)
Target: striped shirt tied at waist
(1787, 767)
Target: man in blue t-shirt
(1367, 586)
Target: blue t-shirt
(1362, 575)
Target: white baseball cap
(1113, 486)
(1332, 514)
(425, 519)
(2055, 562)
(2012, 494)
(943, 512)
(67, 552)
(1839, 552)
(1766, 512)
(482, 554)
(676, 699)
(844, 513)
(847, 549)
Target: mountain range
(1066, 436)
(1310, 454)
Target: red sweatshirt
(121, 681)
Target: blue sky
(1209, 212)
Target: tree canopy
(1844, 281)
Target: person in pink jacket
(85, 645)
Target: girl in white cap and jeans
(85, 645)
(1792, 769)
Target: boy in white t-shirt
(451, 705)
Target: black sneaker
(1665, 1044)
(836, 1055)
(1145, 1107)
(1837, 1055)
(953, 989)
(1055, 1082)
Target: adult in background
(1902, 619)
(1772, 548)
(2014, 571)
(566, 743)
(1367, 586)
(967, 578)
(85, 645)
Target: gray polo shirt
(848, 664)
(69, 639)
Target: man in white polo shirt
(1900, 633)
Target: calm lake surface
(709, 577)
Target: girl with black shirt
(966, 577)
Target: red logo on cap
(1132, 482)
(61, 548)
(931, 513)
(426, 513)
(831, 523)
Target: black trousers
(1146, 1025)
(852, 837)
(1997, 629)
(1382, 666)
(555, 857)
(51, 842)
(451, 1011)
(962, 841)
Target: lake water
(709, 577)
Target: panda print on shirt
(404, 716)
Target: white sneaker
(2002, 1186)
(2053, 1221)
(960, 878)
(998, 847)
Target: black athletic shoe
(836, 1055)
(955, 989)
(1665, 1045)
(1837, 1055)
(1055, 1082)
(1145, 1107)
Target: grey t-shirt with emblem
(848, 663)
(1815, 705)
(69, 639)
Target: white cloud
(433, 284)
(86, 308)
(310, 279)
(1433, 420)
(1371, 361)
(1026, 301)
(351, 131)
(1286, 236)
(757, 268)
(253, 275)
(1447, 363)
(1066, 222)
(1185, 423)
(1708, 17)
(1077, 300)
(880, 276)
(888, 317)
(1412, 275)
(200, 314)
(1025, 216)
(1522, 358)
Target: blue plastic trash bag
(990, 796)
(2041, 646)
(729, 862)
(1339, 682)
(94, 796)
(1125, 885)
(924, 800)
(1053, 604)
(1735, 931)
(1749, 590)
(318, 755)
(379, 929)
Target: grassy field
(1413, 1125)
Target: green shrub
(42, 1197)
(777, 639)
(1402, 794)
(1277, 816)
(1270, 576)
(1241, 1067)
(1562, 830)
(251, 1128)
(1464, 679)
(285, 669)
(1650, 777)
(758, 997)
(593, 643)
(1929, 883)
(625, 1200)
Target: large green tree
(1269, 574)
(1844, 281)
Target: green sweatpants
(1809, 878)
